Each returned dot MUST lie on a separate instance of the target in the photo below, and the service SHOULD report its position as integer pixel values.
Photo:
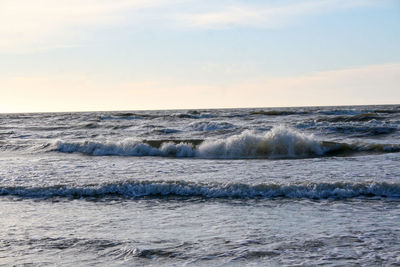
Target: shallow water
(208, 187)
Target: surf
(280, 142)
(180, 188)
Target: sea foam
(137, 189)
(279, 143)
(126, 147)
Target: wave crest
(279, 143)
(127, 148)
(363, 117)
(138, 189)
(210, 126)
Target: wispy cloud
(266, 16)
(27, 25)
(35, 25)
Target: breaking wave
(210, 126)
(139, 189)
(128, 148)
(280, 142)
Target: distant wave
(166, 131)
(125, 116)
(138, 189)
(364, 131)
(361, 130)
(387, 111)
(193, 114)
(276, 112)
(353, 118)
(210, 126)
(280, 142)
(367, 109)
(339, 111)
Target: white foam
(178, 150)
(213, 190)
(280, 142)
(210, 126)
(126, 148)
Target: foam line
(279, 142)
(137, 189)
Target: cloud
(27, 25)
(265, 16)
(372, 84)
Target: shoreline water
(213, 187)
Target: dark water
(287, 186)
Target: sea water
(256, 187)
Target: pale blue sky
(71, 55)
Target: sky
(88, 55)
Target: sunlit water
(283, 186)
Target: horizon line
(178, 109)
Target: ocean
(223, 187)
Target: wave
(339, 111)
(276, 112)
(387, 111)
(128, 148)
(210, 126)
(63, 243)
(122, 117)
(109, 247)
(364, 131)
(47, 128)
(192, 115)
(166, 131)
(126, 116)
(279, 143)
(354, 118)
(140, 189)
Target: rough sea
(225, 187)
